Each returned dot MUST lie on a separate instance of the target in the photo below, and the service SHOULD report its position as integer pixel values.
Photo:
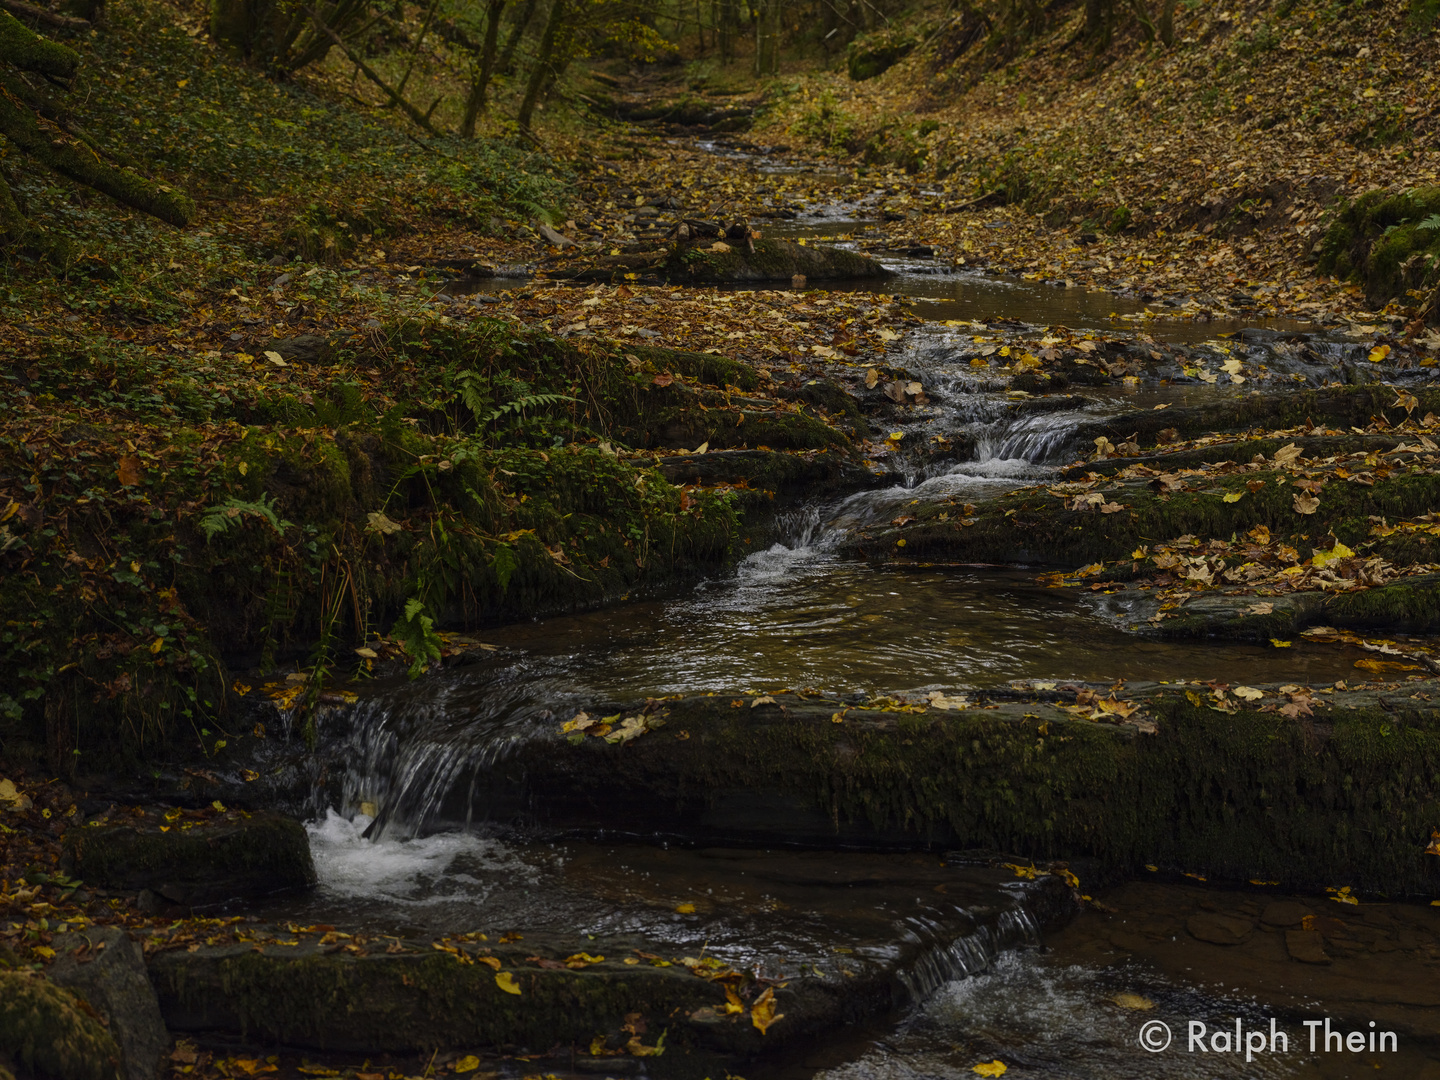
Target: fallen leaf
(468, 1063)
(1306, 504)
(505, 981)
(685, 909)
(989, 1068)
(1234, 496)
(1280, 644)
(1133, 1001)
(766, 700)
(1381, 666)
(129, 471)
(377, 522)
(1248, 693)
(762, 1013)
(1379, 353)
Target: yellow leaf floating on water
(506, 982)
(1381, 666)
(1133, 1001)
(989, 1068)
(468, 1063)
(762, 1013)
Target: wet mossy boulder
(772, 260)
(47, 1030)
(240, 855)
(107, 967)
(1387, 242)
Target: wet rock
(1216, 792)
(304, 348)
(1219, 929)
(1306, 946)
(402, 995)
(104, 966)
(238, 856)
(48, 1030)
(554, 238)
(1284, 914)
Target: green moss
(48, 1030)
(259, 854)
(1374, 239)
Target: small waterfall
(970, 953)
(409, 753)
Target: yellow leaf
(218, 806)
(1248, 693)
(871, 378)
(765, 700)
(685, 909)
(1335, 554)
(1379, 353)
(506, 982)
(762, 1013)
(492, 962)
(989, 1068)
(582, 960)
(468, 1063)
(733, 1004)
(1381, 666)
(1280, 644)
(1133, 1001)
(1234, 496)
(45, 951)
(157, 645)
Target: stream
(407, 847)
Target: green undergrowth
(431, 471)
(1387, 242)
(317, 176)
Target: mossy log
(1348, 795)
(57, 148)
(772, 260)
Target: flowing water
(962, 942)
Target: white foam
(417, 871)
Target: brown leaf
(664, 379)
(129, 471)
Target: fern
(416, 634)
(218, 519)
(1431, 222)
(530, 401)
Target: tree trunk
(507, 55)
(540, 73)
(475, 104)
(767, 37)
(1167, 23)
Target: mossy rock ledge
(1347, 795)
(398, 995)
(241, 855)
(772, 260)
